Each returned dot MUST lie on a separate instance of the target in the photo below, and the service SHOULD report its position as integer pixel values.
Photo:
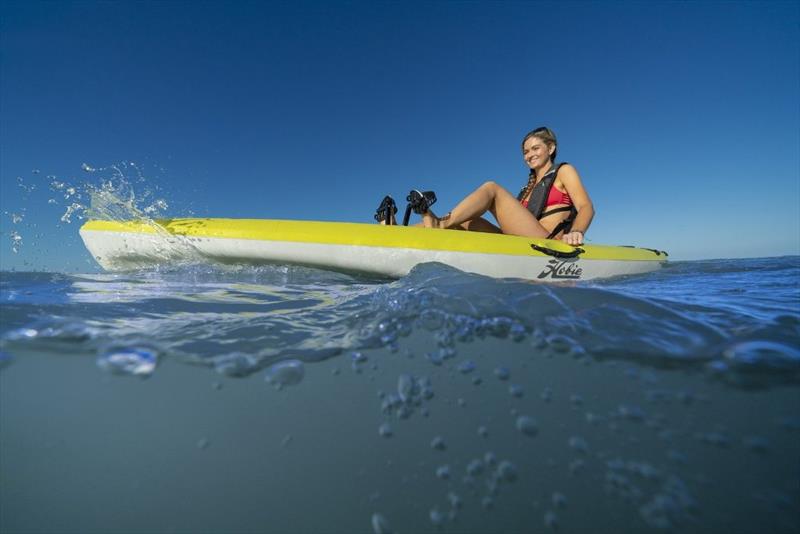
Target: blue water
(287, 399)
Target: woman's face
(536, 152)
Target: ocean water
(286, 399)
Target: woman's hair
(549, 137)
(545, 134)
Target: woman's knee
(490, 186)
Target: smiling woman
(553, 204)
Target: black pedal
(386, 210)
(419, 202)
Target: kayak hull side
(122, 251)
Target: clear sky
(683, 119)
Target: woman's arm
(580, 199)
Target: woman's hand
(574, 238)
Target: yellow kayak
(354, 247)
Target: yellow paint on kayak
(370, 235)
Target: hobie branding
(561, 270)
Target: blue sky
(682, 118)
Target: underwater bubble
(406, 388)
(643, 470)
(87, 168)
(286, 440)
(455, 501)
(492, 488)
(672, 506)
(578, 444)
(443, 472)
(358, 357)
(216, 386)
(677, 456)
(559, 500)
(506, 471)
(466, 367)
(135, 361)
(285, 373)
(437, 517)
(385, 430)
(576, 400)
(757, 444)
(717, 439)
(483, 431)
(551, 520)
(438, 444)
(380, 525)
(546, 394)
(461, 402)
(517, 332)
(502, 373)
(490, 459)
(789, 422)
(390, 403)
(425, 387)
(593, 418)
(576, 466)
(202, 444)
(631, 412)
(487, 503)
(435, 358)
(476, 380)
(527, 425)
(475, 467)
(516, 391)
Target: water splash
(122, 191)
(16, 241)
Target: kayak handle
(577, 251)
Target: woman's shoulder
(564, 166)
(567, 170)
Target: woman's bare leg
(513, 217)
(479, 224)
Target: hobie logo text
(561, 270)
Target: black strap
(565, 225)
(557, 210)
(540, 192)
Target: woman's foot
(430, 220)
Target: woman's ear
(552, 149)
